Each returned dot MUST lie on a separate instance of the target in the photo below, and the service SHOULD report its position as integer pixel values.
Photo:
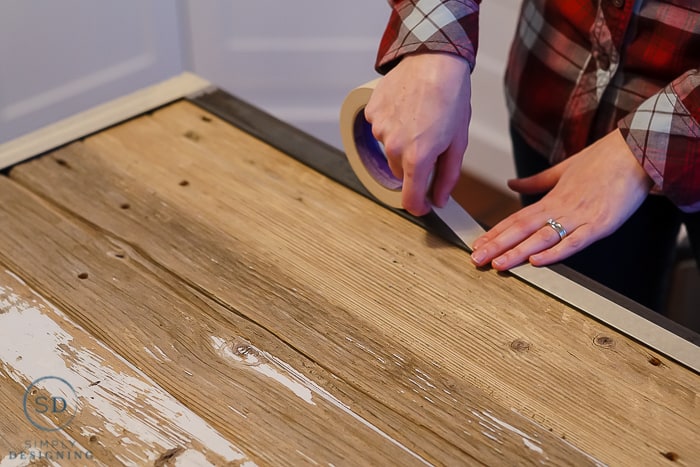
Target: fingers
(421, 171)
(416, 184)
(420, 112)
(536, 242)
(545, 246)
(507, 234)
(447, 172)
(574, 242)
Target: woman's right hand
(420, 112)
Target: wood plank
(119, 415)
(256, 399)
(334, 276)
(117, 292)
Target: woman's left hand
(591, 195)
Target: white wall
(60, 58)
(295, 59)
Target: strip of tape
(369, 163)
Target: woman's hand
(420, 112)
(592, 194)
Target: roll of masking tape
(364, 152)
(369, 163)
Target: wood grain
(453, 363)
(194, 347)
(256, 400)
(121, 416)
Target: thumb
(538, 183)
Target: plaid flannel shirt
(578, 69)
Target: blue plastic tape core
(372, 155)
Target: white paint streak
(8, 461)
(254, 361)
(253, 355)
(238, 412)
(38, 347)
(366, 349)
(491, 436)
(191, 458)
(528, 441)
(337, 403)
(597, 462)
(307, 457)
(157, 354)
(532, 446)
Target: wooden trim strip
(100, 117)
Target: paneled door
(60, 58)
(296, 60)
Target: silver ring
(557, 228)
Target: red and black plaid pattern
(578, 69)
(664, 134)
(430, 25)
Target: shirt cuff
(664, 135)
(417, 26)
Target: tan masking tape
(367, 159)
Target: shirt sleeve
(429, 26)
(664, 135)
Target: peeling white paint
(257, 362)
(597, 462)
(191, 458)
(491, 436)
(281, 367)
(532, 446)
(37, 346)
(366, 349)
(233, 409)
(528, 441)
(157, 354)
(307, 457)
(8, 461)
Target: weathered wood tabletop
(174, 291)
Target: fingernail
(478, 256)
(498, 262)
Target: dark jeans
(637, 259)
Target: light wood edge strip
(97, 118)
(578, 296)
(612, 314)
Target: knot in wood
(168, 456)
(605, 342)
(654, 361)
(519, 346)
(672, 456)
(247, 353)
